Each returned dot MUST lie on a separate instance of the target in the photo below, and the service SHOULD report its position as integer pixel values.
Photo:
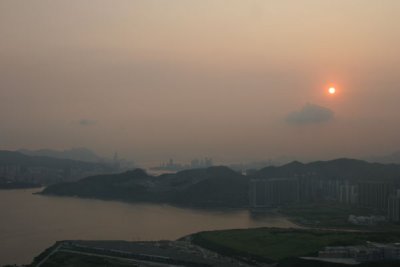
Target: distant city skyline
(86, 154)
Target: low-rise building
(369, 252)
(366, 220)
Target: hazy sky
(234, 80)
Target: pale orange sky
(229, 79)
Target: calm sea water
(30, 223)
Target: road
(48, 256)
(133, 261)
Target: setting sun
(332, 90)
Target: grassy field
(272, 245)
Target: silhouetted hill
(215, 186)
(127, 186)
(218, 186)
(347, 169)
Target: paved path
(133, 261)
(48, 256)
(116, 258)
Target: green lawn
(271, 244)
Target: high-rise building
(374, 195)
(309, 189)
(348, 194)
(394, 207)
(330, 189)
(257, 193)
(202, 163)
(273, 192)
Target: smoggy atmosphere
(233, 80)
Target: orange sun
(332, 90)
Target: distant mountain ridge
(18, 167)
(80, 154)
(338, 169)
(214, 186)
(387, 159)
(14, 157)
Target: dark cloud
(86, 122)
(310, 114)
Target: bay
(30, 223)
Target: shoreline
(273, 212)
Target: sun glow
(332, 90)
